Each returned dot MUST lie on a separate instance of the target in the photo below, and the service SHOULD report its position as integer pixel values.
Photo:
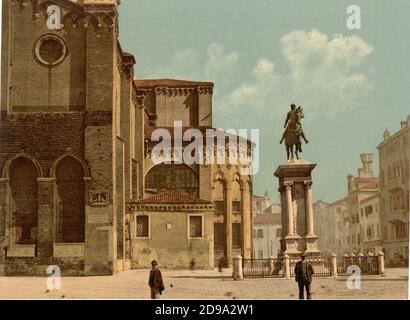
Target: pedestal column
(297, 209)
(289, 208)
(246, 223)
(309, 209)
(228, 225)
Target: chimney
(350, 183)
(367, 170)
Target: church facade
(79, 189)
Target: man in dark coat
(303, 276)
(155, 281)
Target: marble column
(46, 220)
(309, 209)
(228, 225)
(246, 223)
(289, 208)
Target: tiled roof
(170, 197)
(146, 83)
(272, 209)
(266, 218)
(343, 201)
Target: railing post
(353, 259)
(360, 262)
(345, 257)
(380, 260)
(237, 270)
(271, 265)
(286, 261)
(369, 261)
(333, 265)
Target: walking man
(155, 281)
(303, 276)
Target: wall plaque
(22, 250)
(64, 250)
(96, 218)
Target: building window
(260, 254)
(142, 226)
(278, 233)
(178, 177)
(236, 235)
(50, 50)
(219, 235)
(236, 206)
(220, 206)
(259, 234)
(368, 210)
(195, 227)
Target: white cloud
(218, 65)
(184, 65)
(324, 75)
(219, 62)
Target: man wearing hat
(303, 276)
(155, 281)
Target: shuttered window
(195, 226)
(142, 226)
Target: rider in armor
(292, 117)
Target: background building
(394, 154)
(260, 203)
(370, 224)
(267, 228)
(350, 224)
(364, 186)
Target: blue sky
(265, 54)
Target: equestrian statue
(294, 132)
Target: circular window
(50, 50)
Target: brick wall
(45, 136)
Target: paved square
(204, 285)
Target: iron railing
(274, 267)
(368, 265)
(263, 268)
(321, 267)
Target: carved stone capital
(288, 184)
(308, 184)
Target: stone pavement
(204, 285)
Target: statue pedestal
(295, 187)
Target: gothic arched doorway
(23, 186)
(70, 201)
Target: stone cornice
(174, 91)
(169, 207)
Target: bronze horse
(292, 135)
